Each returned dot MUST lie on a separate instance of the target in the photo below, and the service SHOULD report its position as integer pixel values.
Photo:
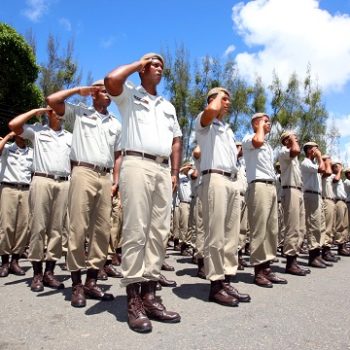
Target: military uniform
(292, 201)
(221, 206)
(313, 210)
(149, 126)
(262, 205)
(15, 178)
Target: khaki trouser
(313, 218)
(14, 216)
(116, 227)
(176, 223)
(329, 217)
(89, 205)
(263, 222)
(281, 226)
(221, 213)
(292, 201)
(65, 231)
(244, 227)
(184, 215)
(48, 205)
(341, 222)
(145, 188)
(199, 228)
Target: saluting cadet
(185, 193)
(328, 210)
(94, 154)
(48, 192)
(150, 135)
(199, 255)
(311, 169)
(261, 201)
(244, 227)
(341, 210)
(220, 198)
(292, 201)
(15, 176)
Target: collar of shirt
(15, 149)
(147, 97)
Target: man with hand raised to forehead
(292, 201)
(220, 198)
(48, 192)
(94, 155)
(261, 201)
(151, 141)
(312, 167)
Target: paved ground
(309, 313)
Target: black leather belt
(185, 202)
(329, 198)
(295, 187)
(268, 182)
(313, 192)
(220, 172)
(54, 177)
(91, 166)
(338, 200)
(18, 186)
(157, 159)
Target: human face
(225, 105)
(101, 97)
(153, 71)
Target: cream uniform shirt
(217, 144)
(339, 189)
(347, 189)
(311, 176)
(149, 123)
(51, 149)
(327, 187)
(95, 136)
(290, 169)
(259, 161)
(16, 164)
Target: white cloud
(107, 42)
(66, 24)
(287, 35)
(229, 50)
(36, 9)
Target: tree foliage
(18, 74)
(61, 70)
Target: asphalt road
(311, 312)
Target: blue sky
(261, 35)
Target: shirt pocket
(89, 126)
(169, 115)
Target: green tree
(18, 73)
(314, 116)
(61, 70)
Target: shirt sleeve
(284, 153)
(198, 126)
(309, 166)
(70, 112)
(247, 143)
(29, 131)
(122, 100)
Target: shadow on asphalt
(116, 307)
(192, 290)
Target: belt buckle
(56, 177)
(159, 159)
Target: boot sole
(223, 304)
(175, 320)
(78, 305)
(141, 330)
